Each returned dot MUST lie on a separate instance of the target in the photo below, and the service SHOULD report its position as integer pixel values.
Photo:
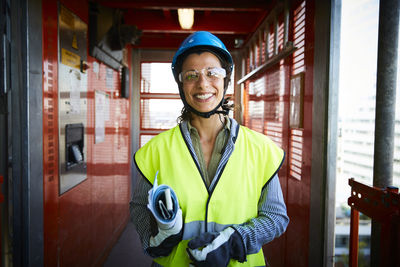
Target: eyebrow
(202, 68)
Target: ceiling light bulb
(186, 18)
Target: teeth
(205, 96)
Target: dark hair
(186, 115)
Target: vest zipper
(193, 156)
(201, 174)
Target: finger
(202, 240)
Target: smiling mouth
(203, 96)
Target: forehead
(200, 61)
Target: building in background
(356, 125)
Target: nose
(203, 82)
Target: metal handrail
(383, 206)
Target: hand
(163, 204)
(216, 249)
(169, 230)
(166, 239)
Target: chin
(205, 109)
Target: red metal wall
(266, 109)
(300, 145)
(81, 225)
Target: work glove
(163, 204)
(166, 239)
(216, 249)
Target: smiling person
(228, 198)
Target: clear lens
(191, 75)
(211, 74)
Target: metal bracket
(383, 206)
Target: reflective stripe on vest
(234, 200)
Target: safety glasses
(211, 74)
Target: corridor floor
(128, 252)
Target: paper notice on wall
(100, 112)
(109, 78)
(75, 93)
(96, 69)
(107, 108)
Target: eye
(216, 73)
(212, 73)
(190, 76)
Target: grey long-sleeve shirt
(270, 223)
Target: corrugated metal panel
(298, 66)
(50, 136)
(295, 152)
(266, 110)
(299, 38)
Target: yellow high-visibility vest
(234, 199)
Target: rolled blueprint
(163, 203)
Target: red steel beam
(353, 253)
(197, 5)
(173, 40)
(217, 22)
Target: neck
(209, 128)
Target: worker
(224, 176)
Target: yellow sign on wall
(75, 42)
(70, 59)
(67, 17)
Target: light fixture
(186, 17)
(238, 42)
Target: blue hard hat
(203, 39)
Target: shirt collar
(227, 126)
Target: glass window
(356, 125)
(160, 104)
(157, 78)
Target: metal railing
(382, 206)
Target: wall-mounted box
(72, 100)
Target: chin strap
(223, 104)
(208, 114)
